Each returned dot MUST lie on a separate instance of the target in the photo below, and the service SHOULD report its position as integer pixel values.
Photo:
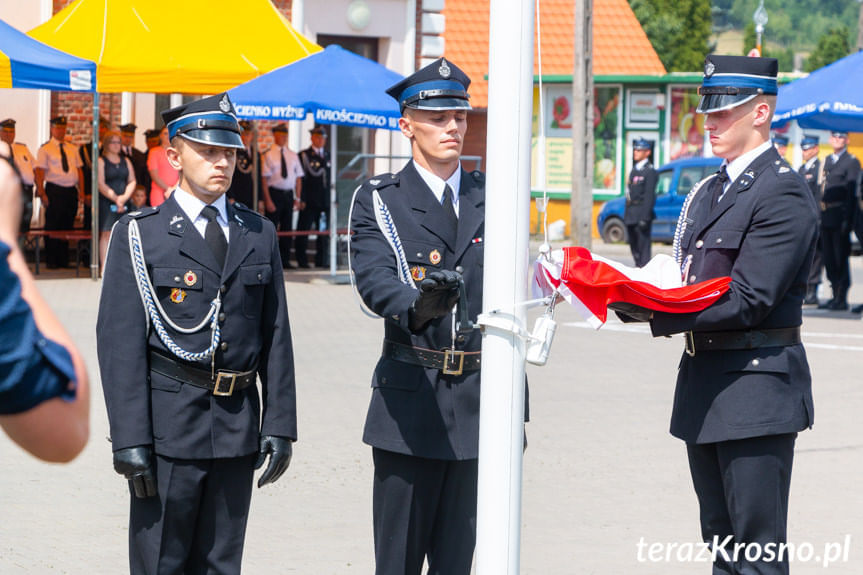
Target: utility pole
(581, 199)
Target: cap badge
(418, 273)
(434, 257)
(444, 70)
(190, 278)
(177, 295)
(709, 69)
(225, 104)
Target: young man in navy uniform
(743, 385)
(838, 206)
(315, 198)
(178, 371)
(417, 234)
(811, 172)
(640, 198)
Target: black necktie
(448, 208)
(717, 186)
(63, 158)
(214, 235)
(284, 165)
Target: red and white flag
(590, 282)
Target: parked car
(674, 182)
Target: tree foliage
(832, 46)
(679, 30)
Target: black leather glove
(644, 225)
(136, 465)
(630, 313)
(438, 293)
(280, 450)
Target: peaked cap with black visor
(439, 86)
(730, 81)
(209, 121)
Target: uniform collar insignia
(176, 218)
(374, 182)
(240, 221)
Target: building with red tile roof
(620, 45)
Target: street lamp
(760, 19)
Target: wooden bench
(78, 237)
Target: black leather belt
(744, 339)
(224, 383)
(450, 362)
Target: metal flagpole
(501, 434)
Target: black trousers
(639, 243)
(742, 488)
(59, 215)
(817, 266)
(27, 205)
(196, 524)
(836, 249)
(310, 219)
(423, 509)
(283, 218)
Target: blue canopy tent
(28, 63)
(829, 98)
(338, 87)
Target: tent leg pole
(94, 191)
(332, 221)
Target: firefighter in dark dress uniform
(315, 198)
(743, 385)
(640, 198)
(179, 363)
(838, 206)
(811, 172)
(242, 185)
(417, 234)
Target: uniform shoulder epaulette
(246, 209)
(478, 176)
(143, 212)
(381, 181)
(781, 166)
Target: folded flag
(590, 282)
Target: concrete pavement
(601, 472)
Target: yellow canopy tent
(171, 46)
(166, 46)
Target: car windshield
(688, 178)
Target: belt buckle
(689, 337)
(218, 389)
(453, 361)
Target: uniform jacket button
(459, 269)
(222, 316)
(755, 362)
(260, 275)
(224, 346)
(699, 243)
(692, 278)
(223, 289)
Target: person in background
(116, 185)
(780, 142)
(136, 156)
(315, 199)
(44, 390)
(242, 186)
(640, 199)
(162, 174)
(85, 151)
(838, 206)
(282, 174)
(811, 172)
(60, 185)
(23, 160)
(139, 197)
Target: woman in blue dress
(116, 186)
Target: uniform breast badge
(177, 295)
(190, 278)
(418, 273)
(434, 257)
